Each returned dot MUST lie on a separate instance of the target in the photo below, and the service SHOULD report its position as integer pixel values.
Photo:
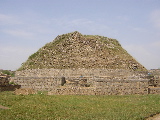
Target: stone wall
(122, 87)
(86, 81)
(156, 74)
(154, 90)
(106, 88)
(105, 73)
(99, 87)
(38, 83)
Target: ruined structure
(156, 74)
(84, 64)
(4, 83)
(155, 81)
(4, 79)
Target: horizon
(26, 26)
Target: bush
(7, 72)
(12, 83)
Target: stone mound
(74, 50)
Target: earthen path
(2, 107)
(155, 117)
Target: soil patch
(2, 107)
(155, 117)
(24, 91)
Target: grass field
(44, 107)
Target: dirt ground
(2, 107)
(155, 117)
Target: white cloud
(84, 25)
(155, 18)
(9, 20)
(137, 50)
(75, 22)
(14, 27)
(79, 22)
(13, 56)
(19, 33)
(4, 17)
(145, 55)
(140, 30)
(156, 44)
(123, 18)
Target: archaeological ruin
(76, 64)
(5, 83)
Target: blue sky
(27, 25)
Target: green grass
(7, 72)
(44, 107)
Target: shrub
(7, 72)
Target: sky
(27, 25)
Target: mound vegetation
(8, 72)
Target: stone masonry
(86, 81)
(85, 65)
(38, 83)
